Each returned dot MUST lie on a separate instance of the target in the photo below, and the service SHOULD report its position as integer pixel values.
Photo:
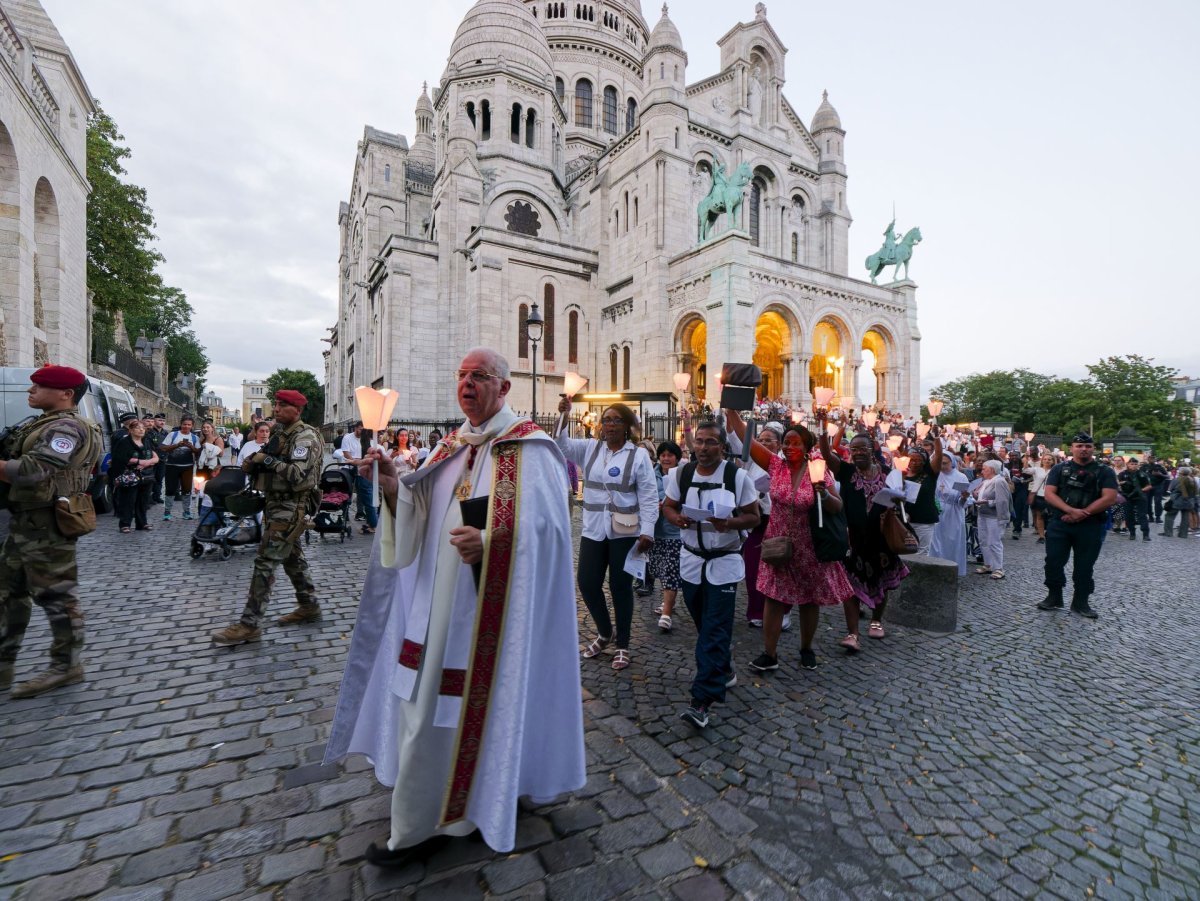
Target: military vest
(282, 446)
(1079, 486)
(71, 479)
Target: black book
(474, 514)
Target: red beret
(288, 396)
(63, 377)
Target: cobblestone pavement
(1029, 754)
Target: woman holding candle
(872, 569)
(803, 581)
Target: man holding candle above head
(286, 470)
(462, 684)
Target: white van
(103, 404)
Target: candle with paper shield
(823, 396)
(797, 417)
(894, 442)
(573, 383)
(900, 464)
(869, 419)
(922, 430)
(682, 380)
(831, 428)
(935, 408)
(1029, 436)
(375, 410)
(816, 474)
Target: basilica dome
(501, 29)
(826, 116)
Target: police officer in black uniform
(1160, 476)
(1078, 492)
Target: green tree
(307, 384)
(1139, 394)
(122, 262)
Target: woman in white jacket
(994, 499)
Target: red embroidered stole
(503, 510)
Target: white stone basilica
(562, 161)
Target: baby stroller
(333, 513)
(234, 517)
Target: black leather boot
(1054, 600)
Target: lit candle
(816, 473)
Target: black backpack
(729, 483)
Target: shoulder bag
(777, 551)
(831, 539)
(897, 534)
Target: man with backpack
(710, 563)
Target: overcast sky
(1047, 150)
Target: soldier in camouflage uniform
(286, 471)
(51, 457)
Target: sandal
(982, 570)
(850, 643)
(598, 645)
(875, 630)
(620, 659)
(125, 530)
(658, 608)
(998, 574)
(664, 623)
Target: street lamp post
(533, 331)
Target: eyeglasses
(476, 375)
(612, 420)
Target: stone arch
(46, 273)
(763, 188)
(879, 351)
(831, 344)
(773, 341)
(691, 351)
(505, 193)
(10, 247)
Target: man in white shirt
(710, 564)
(352, 455)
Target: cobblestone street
(1029, 754)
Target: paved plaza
(1029, 754)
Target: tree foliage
(1119, 391)
(123, 263)
(307, 384)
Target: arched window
(616, 222)
(610, 110)
(612, 369)
(795, 248)
(583, 103)
(662, 71)
(522, 333)
(630, 114)
(387, 172)
(485, 114)
(560, 89)
(626, 212)
(530, 122)
(677, 139)
(548, 326)
(471, 114)
(573, 337)
(625, 368)
(514, 131)
(756, 194)
(635, 212)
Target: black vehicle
(233, 520)
(333, 513)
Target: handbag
(75, 515)
(625, 523)
(831, 539)
(128, 479)
(777, 551)
(897, 534)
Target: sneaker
(754, 623)
(664, 623)
(1145, 538)
(1016, 536)
(55, 677)
(808, 660)
(1084, 610)
(850, 643)
(305, 613)
(238, 633)
(187, 515)
(697, 715)
(166, 517)
(787, 624)
(1041, 541)
(764, 663)
(732, 680)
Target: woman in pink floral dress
(804, 581)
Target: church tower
(834, 215)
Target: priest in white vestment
(466, 698)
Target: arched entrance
(772, 342)
(45, 273)
(693, 354)
(829, 357)
(10, 247)
(876, 362)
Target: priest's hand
(468, 541)
(388, 478)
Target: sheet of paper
(964, 487)
(910, 491)
(702, 514)
(885, 497)
(635, 563)
(763, 483)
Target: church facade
(661, 225)
(44, 109)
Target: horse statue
(894, 255)
(725, 196)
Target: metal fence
(122, 361)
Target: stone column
(853, 367)
(800, 393)
(787, 389)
